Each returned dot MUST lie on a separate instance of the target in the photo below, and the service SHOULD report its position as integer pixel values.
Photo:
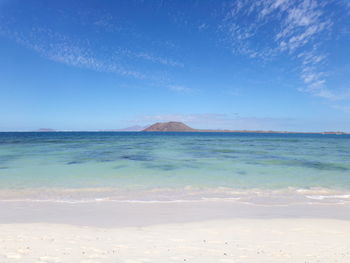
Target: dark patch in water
(226, 156)
(145, 145)
(105, 160)
(267, 157)
(4, 167)
(192, 165)
(254, 163)
(74, 162)
(137, 157)
(224, 151)
(324, 166)
(164, 167)
(120, 166)
(312, 164)
(7, 158)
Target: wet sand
(126, 214)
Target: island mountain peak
(172, 126)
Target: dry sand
(234, 240)
(37, 232)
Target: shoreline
(197, 232)
(122, 214)
(273, 200)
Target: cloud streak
(63, 49)
(81, 54)
(180, 89)
(293, 27)
(149, 57)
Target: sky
(233, 64)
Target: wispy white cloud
(149, 57)
(65, 50)
(180, 89)
(315, 79)
(202, 26)
(80, 53)
(298, 22)
(301, 24)
(89, 53)
(106, 22)
(343, 108)
(267, 28)
(99, 20)
(160, 60)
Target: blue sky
(102, 64)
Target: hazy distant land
(181, 127)
(174, 126)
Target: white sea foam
(177, 195)
(322, 197)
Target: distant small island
(174, 126)
(171, 126)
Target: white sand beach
(42, 232)
(238, 240)
(174, 131)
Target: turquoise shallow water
(136, 163)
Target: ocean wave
(323, 197)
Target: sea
(254, 168)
